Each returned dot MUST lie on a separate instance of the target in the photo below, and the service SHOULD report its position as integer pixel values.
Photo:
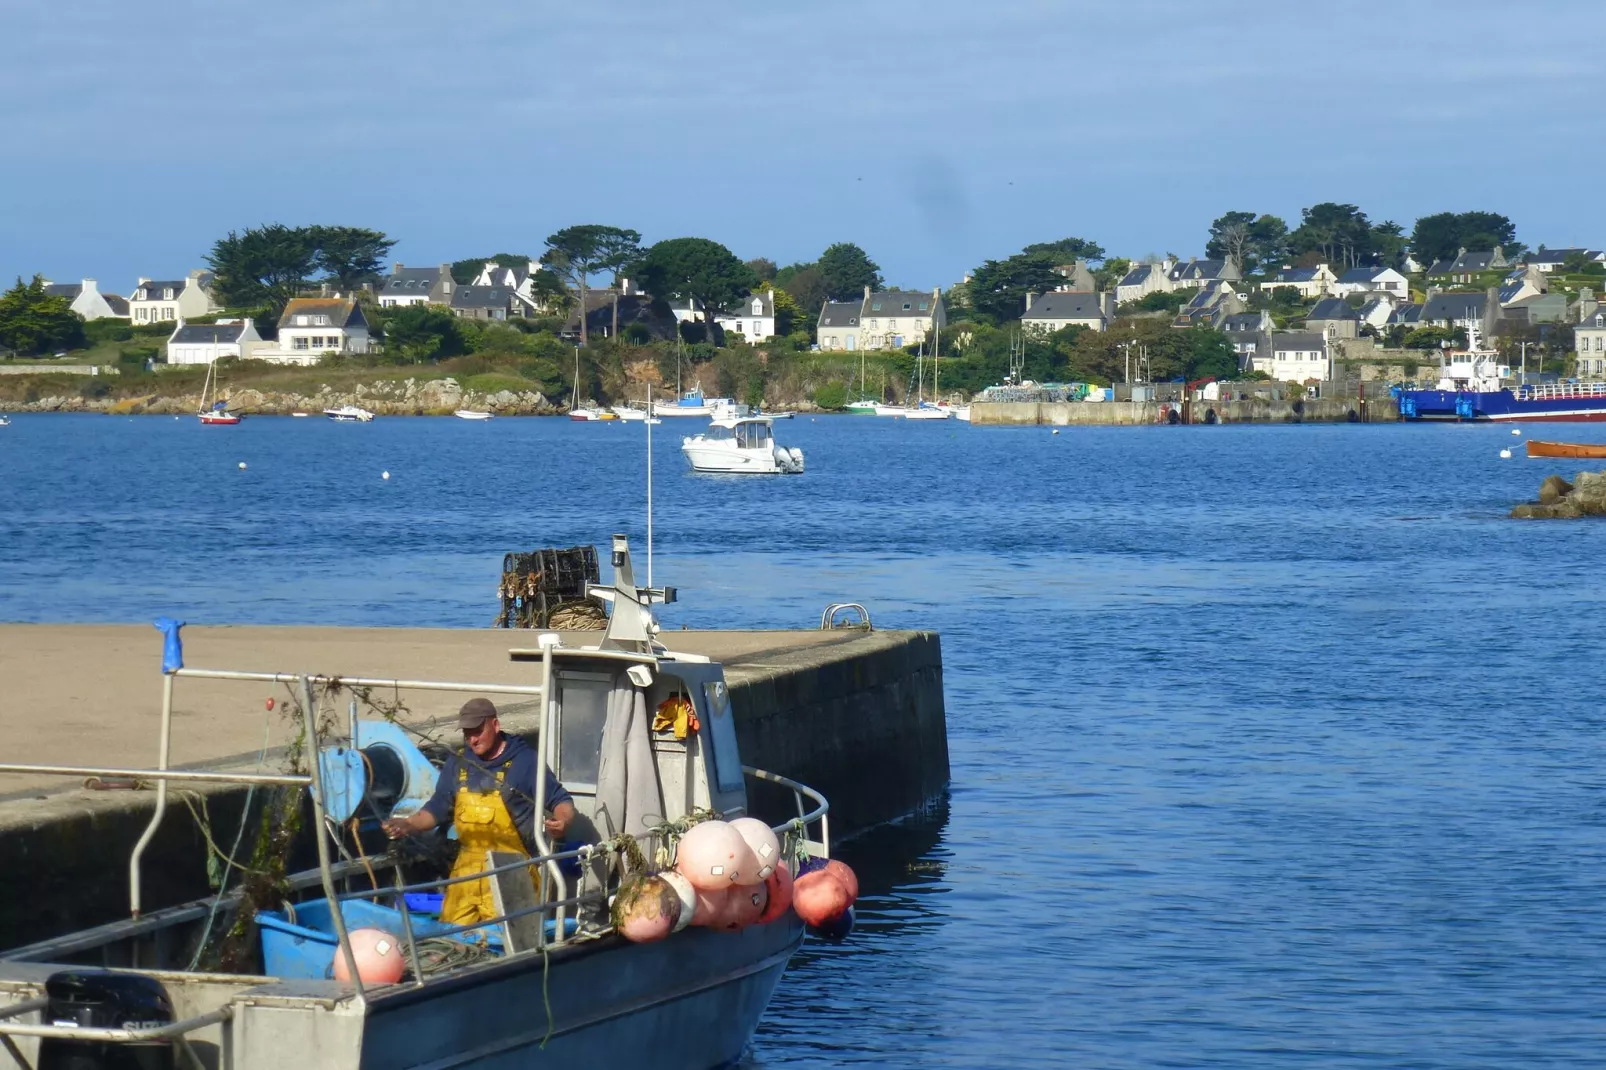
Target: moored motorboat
(472, 414)
(1583, 450)
(693, 403)
(743, 444)
(551, 977)
(349, 414)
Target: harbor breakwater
(1143, 413)
(857, 715)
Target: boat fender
(761, 841)
(646, 909)
(838, 930)
(820, 897)
(779, 885)
(378, 955)
(844, 873)
(710, 909)
(714, 855)
(744, 907)
(688, 898)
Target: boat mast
(574, 402)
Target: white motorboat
(349, 414)
(5, 421)
(472, 414)
(547, 981)
(928, 411)
(961, 412)
(587, 414)
(743, 444)
(634, 416)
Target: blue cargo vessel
(1476, 386)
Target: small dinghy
(471, 414)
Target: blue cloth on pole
(172, 645)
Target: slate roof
(1332, 308)
(1198, 270)
(840, 314)
(208, 334)
(69, 290)
(153, 290)
(1455, 306)
(1556, 256)
(481, 297)
(1138, 275)
(1468, 262)
(1362, 274)
(1510, 290)
(1287, 275)
(1065, 305)
(744, 307)
(342, 311)
(117, 303)
(410, 281)
(1243, 321)
(892, 303)
(1300, 341)
(1406, 314)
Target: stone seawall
(858, 716)
(1145, 413)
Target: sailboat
(923, 409)
(214, 411)
(864, 405)
(576, 411)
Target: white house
(753, 318)
(312, 328)
(1310, 282)
(1363, 280)
(155, 300)
(1589, 340)
(88, 301)
(203, 343)
(416, 286)
(1143, 280)
(1059, 309)
(1296, 357)
(1548, 260)
(838, 326)
(892, 319)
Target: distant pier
(1153, 413)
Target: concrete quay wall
(1143, 413)
(858, 716)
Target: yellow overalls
(483, 824)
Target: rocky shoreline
(1561, 500)
(406, 397)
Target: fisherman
(488, 793)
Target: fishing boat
(214, 411)
(548, 981)
(349, 414)
(472, 414)
(693, 403)
(1475, 385)
(1589, 450)
(743, 444)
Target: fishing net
(547, 589)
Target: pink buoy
(378, 955)
(820, 897)
(844, 873)
(710, 910)
(760, 839)
(779, 886)
(744, 906)
(687, 895)
(714, 855)
(646, 909)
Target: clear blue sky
(935, 134)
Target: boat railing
(1550, 391)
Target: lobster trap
(547, 589)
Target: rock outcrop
(388, 397)
(1561, 500)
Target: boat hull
(691, 1001)
(211, 419)
(728, 461)
(1583, 450)
(1552, 404)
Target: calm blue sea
(1272, 746)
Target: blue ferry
(1476, 386)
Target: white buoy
(242, 466)
(1505, 454)
(384, 475)
(1053, 432)
(1514, 431)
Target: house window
(875, 306)
(873, 323)
(924, 305)
(906, 306)
(299, 343)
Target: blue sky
(934, 134)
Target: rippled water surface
(1272, 746)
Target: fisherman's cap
(475, 712)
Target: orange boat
(1565, 449)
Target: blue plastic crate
(305, 948)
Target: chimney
(867, 291)
(142, 281)
(396, 268)
(1029, 296)
(90, 286)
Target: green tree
(262, 266)
(1250, 239)
(1068, 250)
(1109, 275)
(1388, 244)
(806, 283)
(847, 270)
(1340, 233)
(999, 287)
(763, 268)
(350, 256)
(423, 332)
(576, 253)
(32, 321)
(1442, 235)
(696, 269)
(788, 315)
(831, 396)
(465, 272)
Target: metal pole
(543, 759)
(164, 747)
(309, 717)
(407, 926)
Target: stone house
(1589, 342)
(1332, 318)
(1203, 272)
(1059, 309)
(416, 286)
(1467, 266)
(204, 343)
(838, 326)
(474, 302)
(156, 301)
(1144, 279)
(1250, 334)
(1210, 307)
(892, 319)
(87, 300)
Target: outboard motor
(105, 999)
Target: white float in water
(242, 466)
(384, 475)
(1506, 454)
(1514, 431)
(1053, 432)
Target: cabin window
(582, 710)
